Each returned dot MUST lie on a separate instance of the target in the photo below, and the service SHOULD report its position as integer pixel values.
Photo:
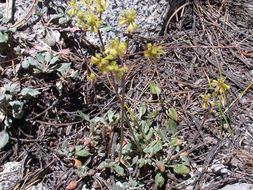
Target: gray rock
(150, 17)
(12, 172)
(238, 186)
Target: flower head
(100, 5)
(205, 100)
(108, 64)
(153, 51)
(92, 21)
(116, 48)
(220, 86)
(73, 8)
(127, 19)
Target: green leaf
(135, 160)
(54, 59)
(13, 88)
(142, 110)
(48, 58)
(40, 57)
(145, 125)
(63, 20)
(173, 114)
(84, 116)
(81, 151)
(116, 187)
(181, 169)
(12, 29)
(29, 61)
(153, 148)
(63, 67)
(159, 180)
(3, 37)
(97, 120)
(118, 169)
(4, 138)
(150, 134)
(63, 150)
(152, 115)
(171, 126)
(163, 133)
(110, 115)
(26, 92)
(106, 27)
(103, 165)
(132, 182)
(154, 89)
(82, 171)
(158, 146)
(141, 162)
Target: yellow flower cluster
(153, 51)
(127, 19)
(107, 63)
(87, 13)
(219, 89)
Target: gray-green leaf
(142, 110)
(29, 92)
(154, 89)
(159, 180)
(3, 37)
(80, 151)
(171, 126)
(118, 169)
(4, 138)
(173, 114)
(181, 169)
(63, 67)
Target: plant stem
(101, 40)
(122, 106)
(122, 100)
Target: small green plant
(146, 146)
(108, 164)
(44, 63)
(70, 150)
(111, 61)
(150, 141)
(12, 103)
(147, 141)
(216, 97)
(6, 33)
(153, 51)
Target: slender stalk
(101, 40)
(122, 101)
(122, 106)
(239, 97)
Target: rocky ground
(52, 142)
